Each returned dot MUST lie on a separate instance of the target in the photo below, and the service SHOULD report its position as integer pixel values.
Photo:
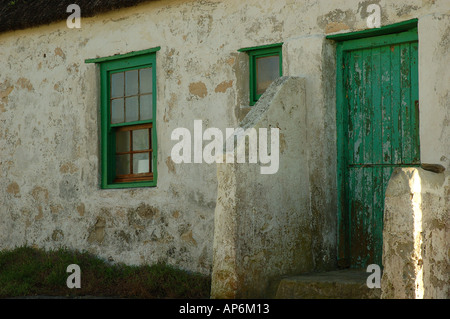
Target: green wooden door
(380, 131)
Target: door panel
(381, 94)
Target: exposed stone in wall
(198, 89)
(97, 233)
(5, 90)
(24, 83)
(223, 86)
(13, 189)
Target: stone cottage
(357, 92)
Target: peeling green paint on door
(378, 131)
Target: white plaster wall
(49, 112)
(434, 90)
(313, 58)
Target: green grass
(27, 271)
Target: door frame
(405, 31)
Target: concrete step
(339, 284)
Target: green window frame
(255, 53)
(116, 135)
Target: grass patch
(27, 271)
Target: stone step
(339, 284)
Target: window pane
(116, 85)
(131, 82)
(141, 140)
(117, 113)
(146, 107)
(145, 78)
(123, 164)
(122, 141)
(132, 109)
(141, 163)
(267, 70)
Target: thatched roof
(21, 14)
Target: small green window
(265, 65)
(128, 112)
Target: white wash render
(50, 128)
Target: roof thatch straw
(21, 14)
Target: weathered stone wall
(263, 228)
(416, 245)
(49, 118)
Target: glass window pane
(122, 141)
(146, 109)
(117, 113)
(141, 140)
(117, 85)
(267, 70)
(123, 164)
(131, 82)
(132, 109)
(145, 78)
(141, 163)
